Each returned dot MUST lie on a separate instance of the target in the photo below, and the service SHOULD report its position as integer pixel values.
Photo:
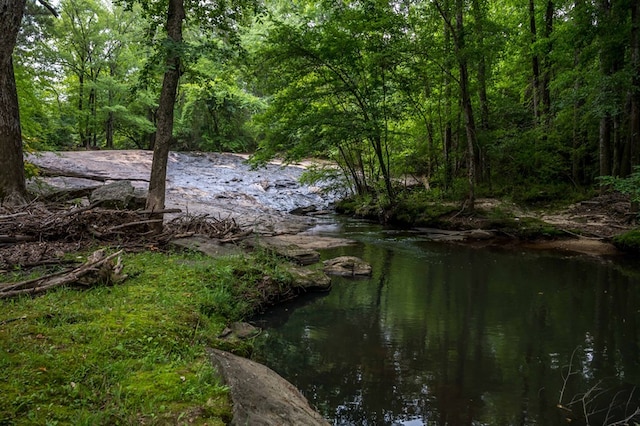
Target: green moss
(419, 208)
(629, 241)
(132, 353)
(532, 228)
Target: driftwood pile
(41, 233)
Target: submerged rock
(347, 266)
(260, 396)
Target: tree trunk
(611, 54)
(466, 103)
(152, 116)
(535, 63)
(157, 183)
(634, 139)
(384, 167)
(604, 146)
(92, 133)
(578, 135)
(546, 64)
(109, 131)
(448, 127)
(482, 162)
(482, 65)
(12, 178)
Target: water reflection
(443, 334)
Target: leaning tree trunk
(12, 179)
(157, 183)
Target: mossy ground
(628, 241)
(417, 207)
(132, 353)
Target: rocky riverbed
(218, 184)
(224, 185)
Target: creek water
(449, 334)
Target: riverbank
(139, 351)
(147, 339)
(592, 226)
(136, 352)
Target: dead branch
(158, 211)
(103, 267)
(12, 216)
(236, 237)
(140, 222)
(42, 232)
(79, 210)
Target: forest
(512, 98)
(426, 106)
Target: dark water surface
(447, 334)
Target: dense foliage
(459, 95)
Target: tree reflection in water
(453, 335)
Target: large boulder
(115, 195)
(347, 266)
(260, 396)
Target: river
(449, 334)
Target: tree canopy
(462, 95)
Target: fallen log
(101, 268)
(53, 172)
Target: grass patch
(628, 241)
(132, 353)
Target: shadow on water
(446, 334)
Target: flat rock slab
(311, 242)
(292, 252)
(260, 396)
(209, 246)
(217, 184)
